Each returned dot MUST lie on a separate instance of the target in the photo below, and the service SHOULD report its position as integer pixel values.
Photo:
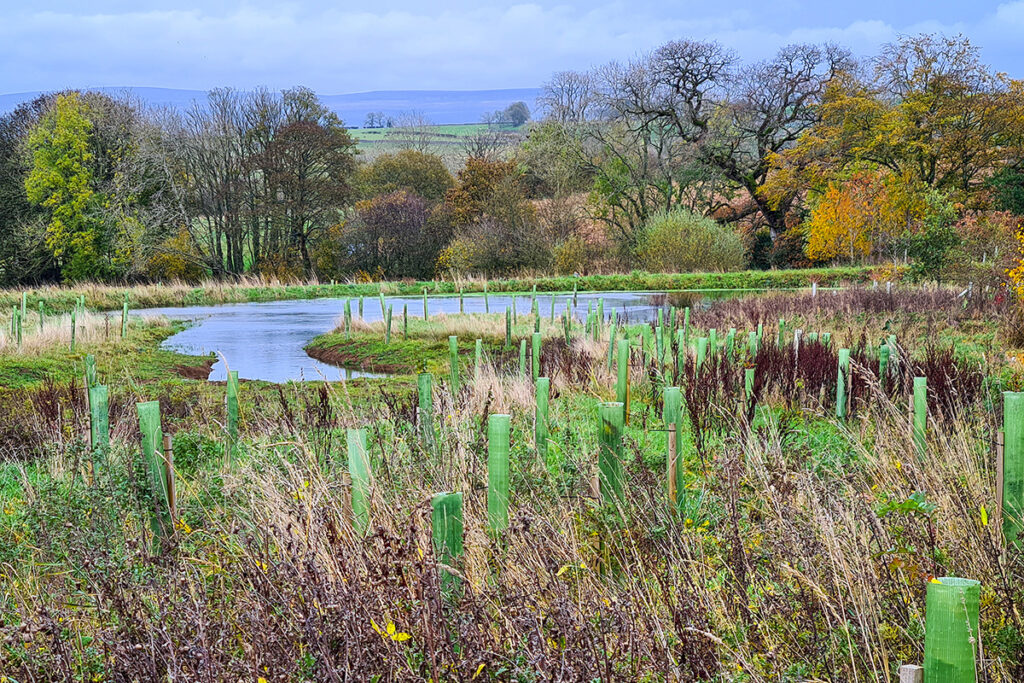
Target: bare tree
(568, 97)
(412, 130)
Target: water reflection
(264, 341)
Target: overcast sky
(339, 47)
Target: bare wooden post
(172, 493)
(672, 464)
(999, 475)
(911, 673)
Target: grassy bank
(58, 299)
(799, 547)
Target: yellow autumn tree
(841, 224)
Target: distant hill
(439, 106)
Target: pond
(266, 340)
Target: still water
(265, 341)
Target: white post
(911, 673)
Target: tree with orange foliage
(842, 221)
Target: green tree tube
(425, 390)
(843, 383)
(99, 422)
(42, 316)
(611, 347)
(748, 387)
(446, 528)
(920, 415)
(74, 315)
(152, 451)
(712, 342)
(348, 318)
(522, 357)
(124, 318)
(622, 379)
(826, 338)
(883, 365)
(536, 324)
(535, 356)
(730, 343)
(952, 636)
(24, 305)
(387, 327)
(383, 307)
(359, 474)
(508, 329)
(752, 343)
(760, 333)
(498, 428)
(659, 345)
(671, 415)
(231, 410)
(781, 340)
(540, 429)
(515, 313)
(453, 358)
(600, 318)
(611, 416)
(702, 351)
(686, 329)
(478, 359)
(360, 306)
(1013, 466)
(90, 370)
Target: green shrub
(680, 241)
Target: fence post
(426, 311)
(508, 329)
(446, 529)
(387, 326)
(522, 357)
(543, 395)
(360, 477)
(910, 673)
(498, 428)
(74, 315)
(124, 317)
(172, 488)
(952, 636)
(611, 417)
(671, 412)
(405, 321)
(487, 301)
